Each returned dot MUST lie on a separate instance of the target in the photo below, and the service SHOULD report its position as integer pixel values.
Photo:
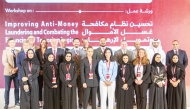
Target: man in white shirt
(155, 47)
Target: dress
(176, 96)
(30, 99)
(125, 97)
(51, 95)
(157, 96)
(68, 95)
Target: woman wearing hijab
(89, 77)
(142, 70)
(176, 94)
(68, 76)
(125, 89)
(107, 69)
(51, 84)
(157, 97)
(29, 88)
(40, 55)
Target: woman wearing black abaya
(68, 76)
(29, 88)
(51, 84)
(176, 94)
(125, 89)
(157, 97)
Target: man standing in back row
(183, 59)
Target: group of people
(110, 76)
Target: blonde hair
(144, 60)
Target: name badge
(68, 76)
(107, 77)
(138, 74)
(90, 75)
(123, 78)
(54, 80)
(174, 79)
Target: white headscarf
(155, 40)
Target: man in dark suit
(63, 43)
(21, 56)
(58, 52)
(77, 55)
(118, 54)
(98, 55)
(183, 59)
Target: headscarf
(155, 40)
(51, 63)
(178, 64)
(123, 63)
(156, 64)
(65, 61)
(33, 60)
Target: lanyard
(108, 66)
(90, 64)
(173, 70)
(139, 67)
(68, 67)
(30, 66)
(53, 69)
(124, 69)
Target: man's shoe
(99, 105)
(6, 106)
(17, 104)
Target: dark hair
(41, 42)
(102, 38)
(89, 47)
(111, 57)
(124, 55)
(10, 39)
(175, 41)
(76, 39)
(84, 39)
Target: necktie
(103, 48)
(13, 53)
(26, 54)
(176, 52)
(54, 53)
(124, 51)
(77, 52)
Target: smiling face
(141, 53)
(89, 52)
(68, 57)
(175, 45)
(125, 59)
(76, 43)
(108, 54)
(43, 44)
(11, 43)
(158, 58)
(175, 59)
(63, 43)
(50, 58)
(30, 54)
(103, 42)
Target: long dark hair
(111, 57)
(41, 42)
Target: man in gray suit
(77, 55)
(118, 54)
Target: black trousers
(80, 90)
(87, 94)
(40, 82)
(141, 95)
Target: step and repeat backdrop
(131, 20)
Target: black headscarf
(33, 60)
(50, 63)
(156, 64)
(123, 61)
(65, 61)
(178, 64)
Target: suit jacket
(40, 58)
(85, 70)
(118, 56)
(146, 73)
(183, 59)
(59, 55)
(8, 61)
(20, 57)
(98, 54)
